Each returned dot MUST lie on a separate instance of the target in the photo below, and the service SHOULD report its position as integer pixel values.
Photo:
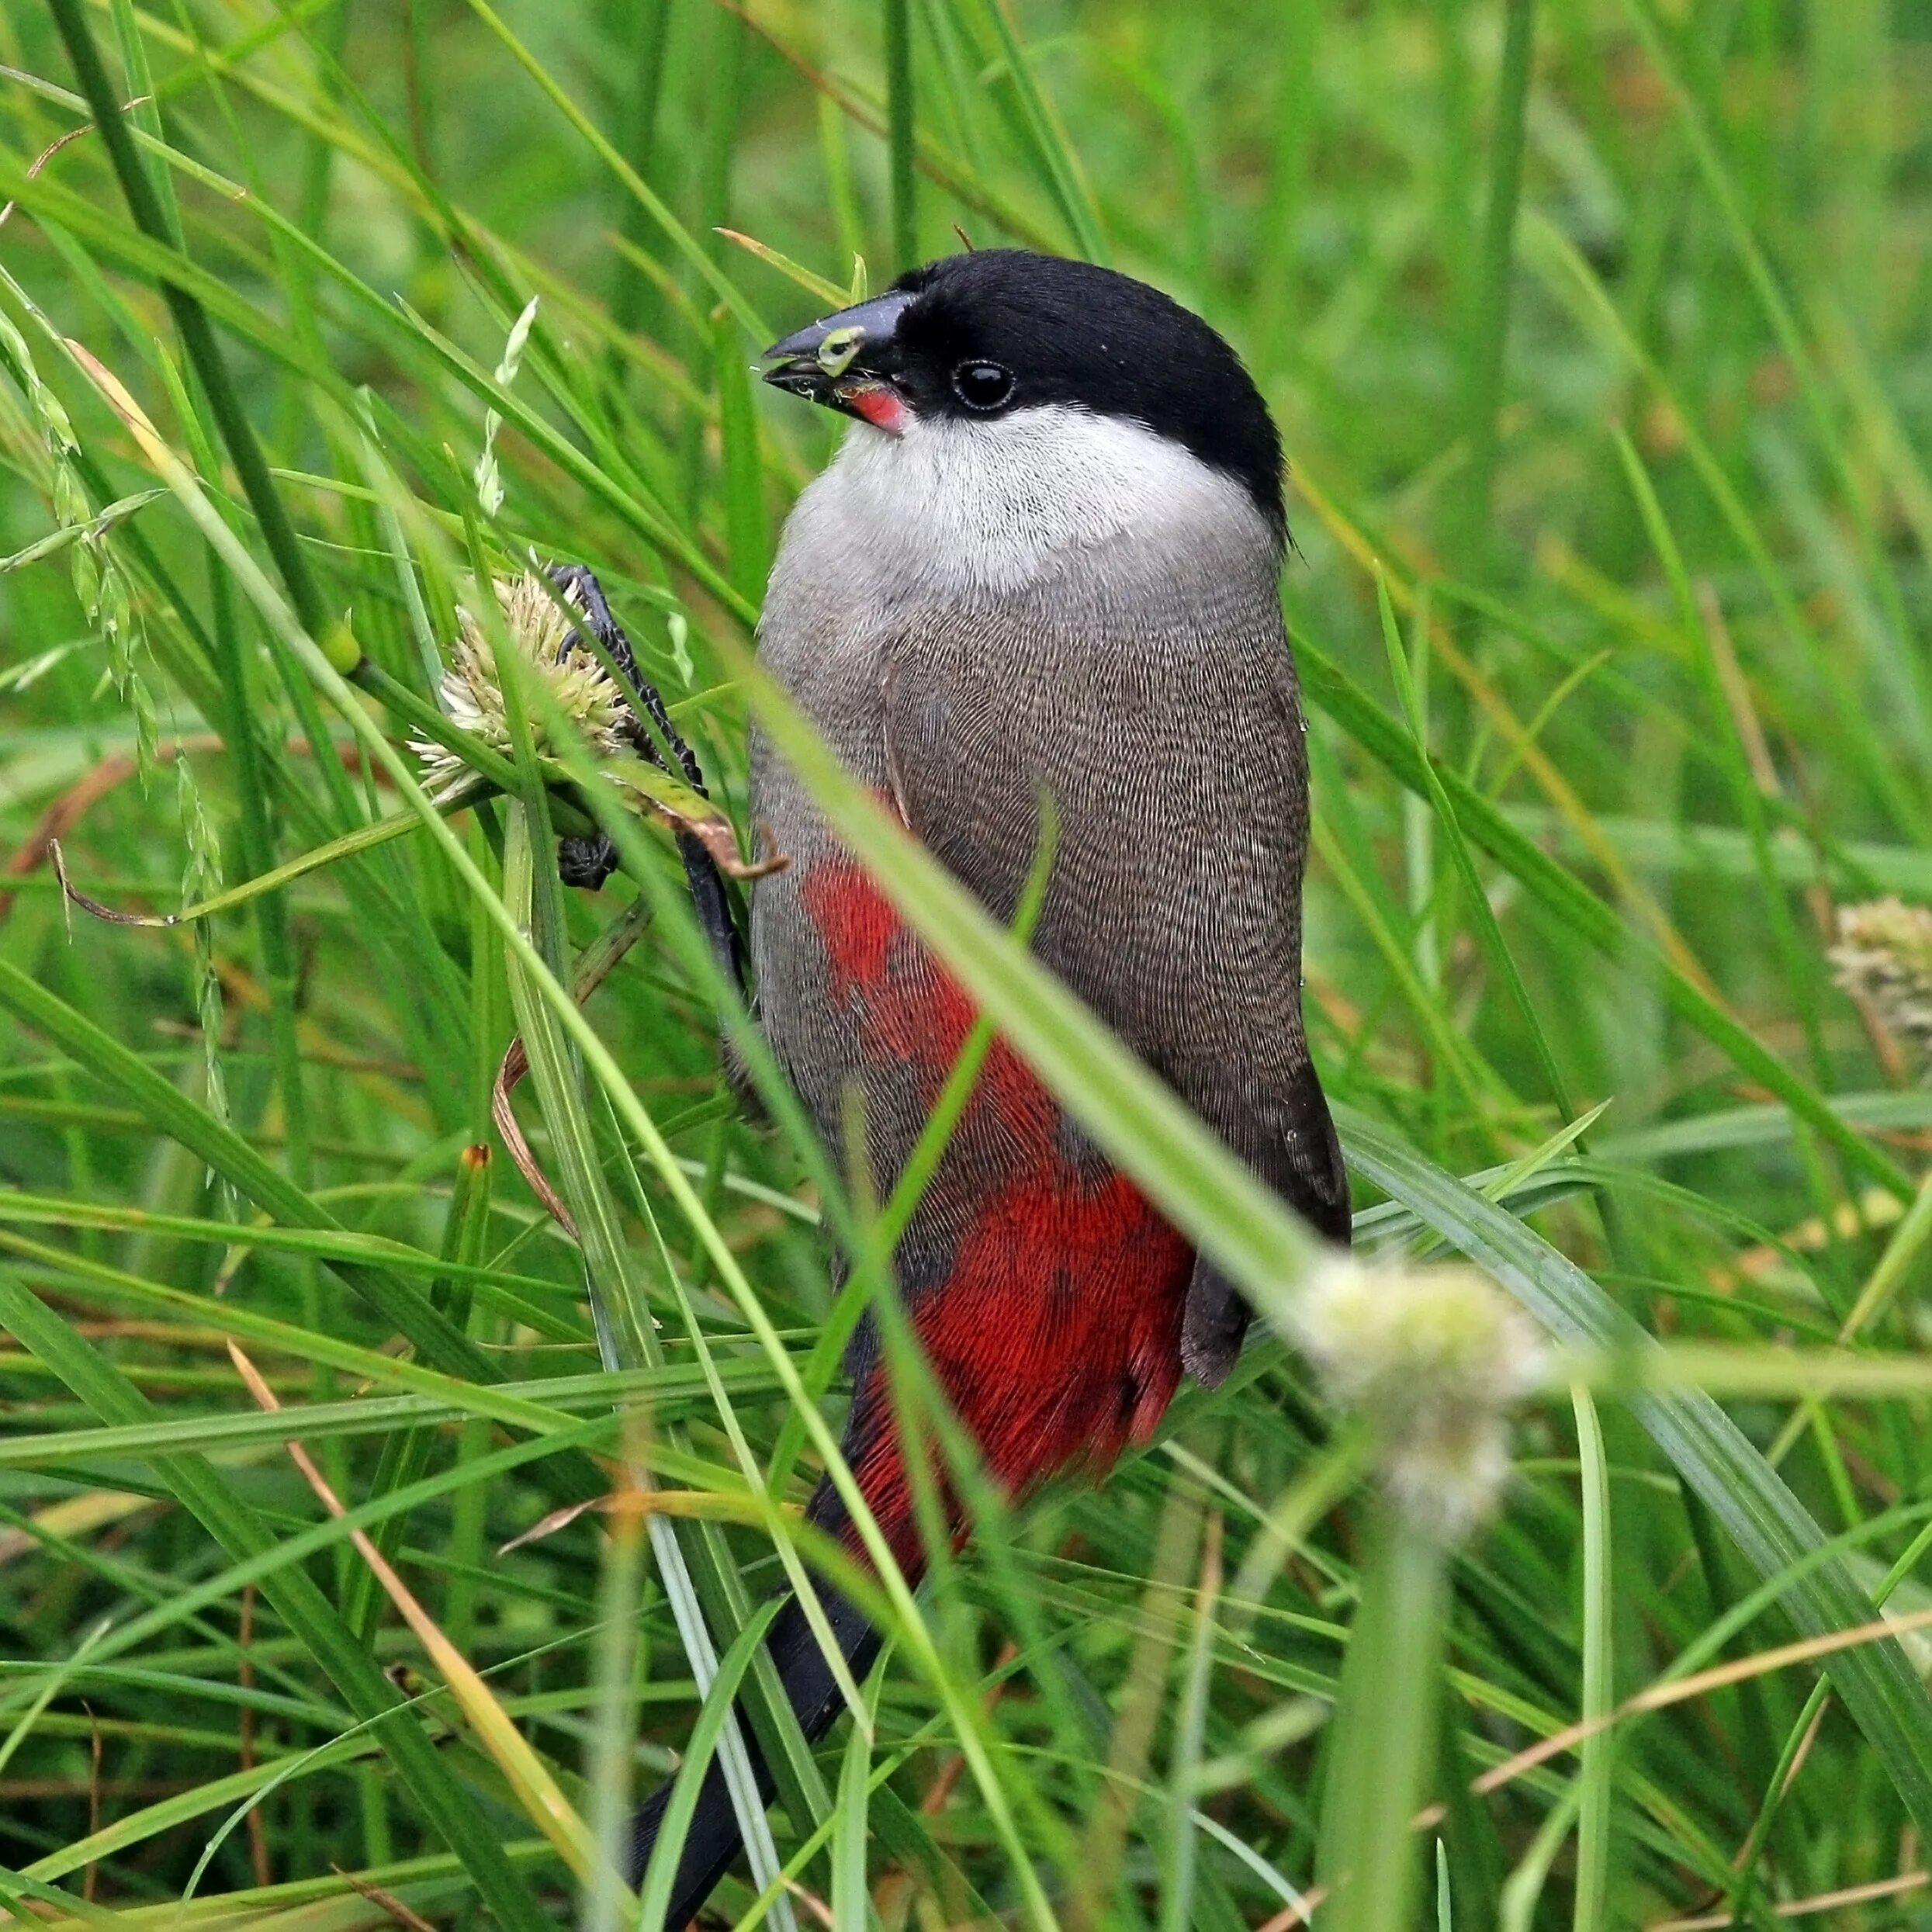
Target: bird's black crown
(1003, 328)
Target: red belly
(1056, 1335)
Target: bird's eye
(983, 386)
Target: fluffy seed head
(1883, 956)
(1433, 1359)
(471, 693)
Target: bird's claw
(588, 861)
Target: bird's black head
(979, 336)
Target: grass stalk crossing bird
(1043, 564)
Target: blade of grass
(1384, 1730)
(901, 146)
(670, 1389)
(1489, 331)
(1596, 1780)
(1481, 912)
(661, 1873)
(1745, 794)
(627, 1328)
(650, 29)
(851, 1903)
(747, 542)
(1178, 1891)
(612, 1746)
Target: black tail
(713, 1843)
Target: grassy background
(1600, 326)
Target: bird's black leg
(589, 861)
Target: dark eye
(982, 385)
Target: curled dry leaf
(683, 808)
(386, 1901)
(557, 1519)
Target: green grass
(1598, 334)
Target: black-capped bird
(1044, 560)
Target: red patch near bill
(880, 406)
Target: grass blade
(1596, 1787)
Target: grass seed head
(1883, 956)
(472, 692)
(1433, 1359)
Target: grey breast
(1150, 696)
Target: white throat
(964, 508)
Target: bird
(1039, 578)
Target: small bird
(1044, 563)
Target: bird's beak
(844, 361)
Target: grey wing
(1176, 767)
